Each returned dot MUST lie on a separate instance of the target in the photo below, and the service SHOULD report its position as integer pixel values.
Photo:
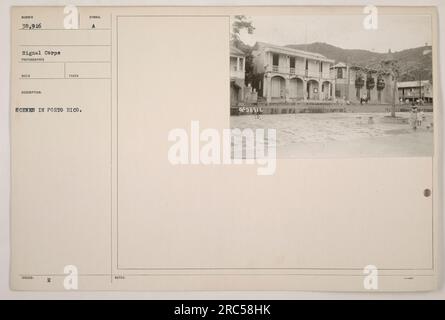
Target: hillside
(412, 61)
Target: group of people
(418, 102)
(416, 117)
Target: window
(307, 64)
(321, 67)
(275, 59)
(339, 73)
(233, 64)
(241, 64)
(292, 62)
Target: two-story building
(237, 75)
(414, 90)
(354, 82)
(284, 74)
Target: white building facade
(237, 74)
(414, 90)
(285, 74)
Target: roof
(292, 51)
(412, 84)
(339, 65)
(235, 51)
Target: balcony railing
(237, 74)
(287, 70)
(300, 72)
(314, 74)
(327, 75)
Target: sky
(395, 32)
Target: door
(277, 87)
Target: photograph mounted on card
(225, 148)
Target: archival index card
(225, 148)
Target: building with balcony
(413, 90)
(237, 74)
(283, 74)
(354, 82)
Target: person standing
(414, 117)
(364, 98)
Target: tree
(388, 66)
(359, 82)
(393, 68)
(240, 23)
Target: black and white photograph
(333, 86)
(246, 152)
